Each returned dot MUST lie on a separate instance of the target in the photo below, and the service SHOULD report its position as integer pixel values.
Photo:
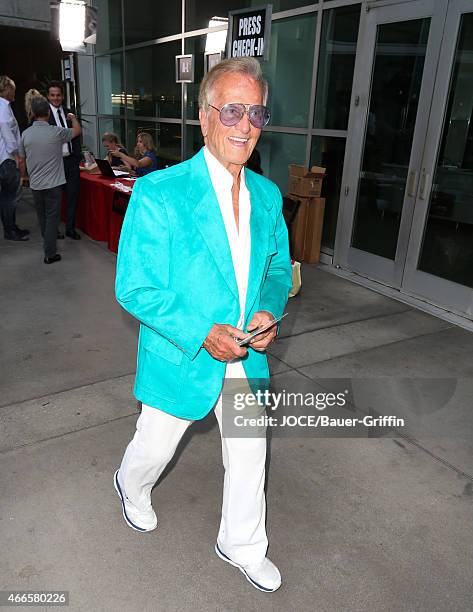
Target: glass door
(392, 94)
(439, 264)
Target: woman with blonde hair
(146, 160)
(111, 143)
(29, 95)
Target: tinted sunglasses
(231, 114)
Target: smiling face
(55, 96)
(232, 146)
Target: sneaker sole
(127, 520)
(224, 557)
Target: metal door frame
(378, 268)
(453, 296)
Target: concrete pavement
(354, 524)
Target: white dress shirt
(238, 239)
(66, 150)
(10, 138)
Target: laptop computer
(107, 170)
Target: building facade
(380, 92)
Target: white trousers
(242, 533)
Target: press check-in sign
(249, 32)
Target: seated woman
(110, 142)
(146, 160)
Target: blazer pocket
(159, 346)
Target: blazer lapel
(209, 221)
(259, 228)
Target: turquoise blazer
(175, 275)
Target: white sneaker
(135, 518)
(264, 576)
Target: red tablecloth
(95, 216)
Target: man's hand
(20, 164)
(261, 342)
(220, 342)
(75, 124)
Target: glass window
(289, 70)
(166, 136)
(151, 81)
(114, 125)
(149, 19)
(277, 151)
(109, 31)
(447, 249)
(195, 140)
(329, 153)
(110, 89)
(395, 88)
(195, 45)
(336, 65)
(200, 12)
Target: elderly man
(203, 256)
(12, 162)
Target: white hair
(248, 66)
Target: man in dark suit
(71, 155)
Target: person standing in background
(12, 162)
(29, 95)
(71, 154)
(43, 146)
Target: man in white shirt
(203, 259)
(71, 156)
(12, 162)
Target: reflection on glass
(289, 70)
(195, 140)
(110, 90)
(200, 12)
(151, 87)
(447, 249)
(399, 64)
(166, 136)
(109, 32)
(195, 45)
(329, 153)
(149, 19)
(336, 64)
(277, 151)
(109, 124)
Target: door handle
(412, 183)
(424, 185)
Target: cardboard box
(305, 183)
(306, 230)
(298, 230)
(313, 233)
